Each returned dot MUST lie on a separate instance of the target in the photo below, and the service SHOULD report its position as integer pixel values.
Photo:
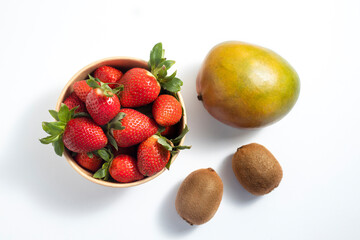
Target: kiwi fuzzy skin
(256, 169)
(199, 196)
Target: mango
(244, 85)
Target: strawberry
(101, 102)
(82, 89)
(73, 101)
(142, 87)
(77, 134)
(90, 163)
(152, 156)
(154, 153)
(123, 169)
(167, 110)
(134, 128)
(100, 107)
(107, 74)
(82, 135)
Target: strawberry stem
(115, 123)
(104, 87)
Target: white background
(44, 43)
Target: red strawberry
(138, 127)
(79, 135)
(154, 153)
(152, 156)
(140, 88)
(123, 169)
(93, 164)
(108, 74)
(82, 89)
(82, 135)
(73, 101)
(167, 110)
(101, 107)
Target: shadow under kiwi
(169, 219)
(232, 188)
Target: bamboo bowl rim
(122, 63)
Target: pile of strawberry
(117, 125)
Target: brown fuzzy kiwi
(199, 196)
(256, 169)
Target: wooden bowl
(123, 64)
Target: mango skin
(244, 85)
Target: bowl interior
(123, 64)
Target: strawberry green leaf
(117, 126)
(64, 113)
(45, 126)
(163, 141)
(159, 66)
(49, 139)
(168, 164)
(54, 114)
(101, 173)
(162, 72)
(58, 124)
(173, 85)
(167, 63)
(56, 129)
(106, 166)
(182, 147)
(104, 154)
(59, 146)
(53, 128)
(92, 83)
(118, 117)
(156, 55)
(95, 79)
(106, 87)
(72, 111)
(171, 77)
(108, 94)
(112, 141)
(118, 89)
(81, 114)
(115, 123)
(90, 154)
(107, 90)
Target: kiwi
(256, 169)
(199, 196)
